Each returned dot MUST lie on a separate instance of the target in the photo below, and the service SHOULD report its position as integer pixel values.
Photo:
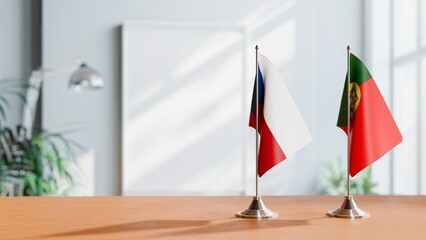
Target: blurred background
(172, 116)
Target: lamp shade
(86, 77)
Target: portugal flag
(281, 127)
(373, 129)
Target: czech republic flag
(281, 127)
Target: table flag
(373, 129)
(281, 127)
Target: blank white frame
(128, 26)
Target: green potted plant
(41, 164)
(333, 180)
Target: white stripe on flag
(280, 111)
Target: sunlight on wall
(266, 13)
(187, 127)
(214, 45)
(187, 131)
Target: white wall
(312, 58)
(393, 44)
(15, 48)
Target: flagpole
(257, 208)
(257, 120)
(349, 120)
(348, 209)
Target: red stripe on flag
(374, 131)
(270, 152)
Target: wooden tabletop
(301, 217)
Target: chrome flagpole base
(348, 209)
(257, 209)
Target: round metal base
(257, 209)
(348, 209)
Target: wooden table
(392, 217)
